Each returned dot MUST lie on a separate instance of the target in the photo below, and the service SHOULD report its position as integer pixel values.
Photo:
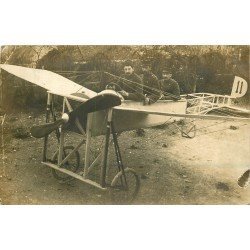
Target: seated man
(169, 87)
(132, 89)
(151, 88)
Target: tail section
(239, 88)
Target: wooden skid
(76, 176)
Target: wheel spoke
(122, 194)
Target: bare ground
(173, 170)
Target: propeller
(40, 131)
(99, 102)
(242, 181)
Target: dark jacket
(133, 86)
(170, 89)
(151, 86)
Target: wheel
(189, 132)
(122, 193)
(72, 164)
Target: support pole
(48, 109)
(1, 81)
(88, 141)
(106, 147)
(61, 147)
(1, 90)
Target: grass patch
(20, 132)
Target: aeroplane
(107, 113)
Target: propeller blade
(40, 131)
(97, 103)
(242, 181)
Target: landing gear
(188, 131)
(72, 164)
(126, 183)
(125, 187)
(65, 162)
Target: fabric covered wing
(48, 80)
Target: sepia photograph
(124, 124)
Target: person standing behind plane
(151, 88)
(131, 89)
(169, 87)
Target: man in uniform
(169, 87)
(151, 88)
(132, 89)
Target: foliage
(196, 68)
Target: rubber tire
(125, 198)
(191, 134)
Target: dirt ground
(173, 169)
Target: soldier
(133, 88)
(151, 88)
(169, 87)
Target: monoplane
(107, 113)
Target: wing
(222, 116)
(132, 115)
(49, 80)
